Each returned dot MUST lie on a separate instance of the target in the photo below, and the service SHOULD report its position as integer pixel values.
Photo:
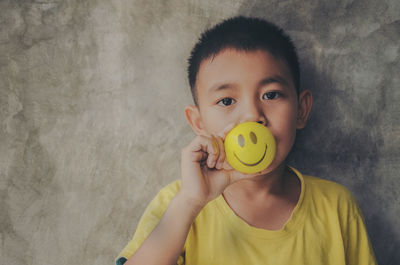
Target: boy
(246, 69)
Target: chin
(271, 168)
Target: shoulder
(150, 218)
(165, 195)
(331, 195)
(327, 187)
(316, 186)
(156, 208)
(171, 189)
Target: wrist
(189, 204)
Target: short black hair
(243, 34)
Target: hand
(205, 172)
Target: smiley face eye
(253, 137)
(241, 140)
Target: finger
(213, 152)
(226, 130)
(215, 144)
(221, 157)
(199, 149)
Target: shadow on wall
(333, 145)
(328, 150)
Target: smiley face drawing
(250, 147)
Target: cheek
(216, 121)
(284, 143)
(285, 140)
(283, 120)
(212, 123)
(284, 126)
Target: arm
(165, 243)
(204, 176)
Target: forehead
(232, 67)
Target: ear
(192, 114)
(304, 108)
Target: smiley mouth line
(254, 164)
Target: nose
(254, 112)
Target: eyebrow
(266, 81)
(223, 86)
(273, 79)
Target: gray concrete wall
(91, 111)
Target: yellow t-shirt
(326, 227)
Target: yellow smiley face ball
(250, 147)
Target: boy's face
(237, 86)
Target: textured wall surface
(91, 110)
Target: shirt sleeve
(359, 250)
(149, 220)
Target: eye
(241, 140)
(226, 101)
(271, 95)
(253, 137)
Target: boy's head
(243, 34)
(246, 69)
